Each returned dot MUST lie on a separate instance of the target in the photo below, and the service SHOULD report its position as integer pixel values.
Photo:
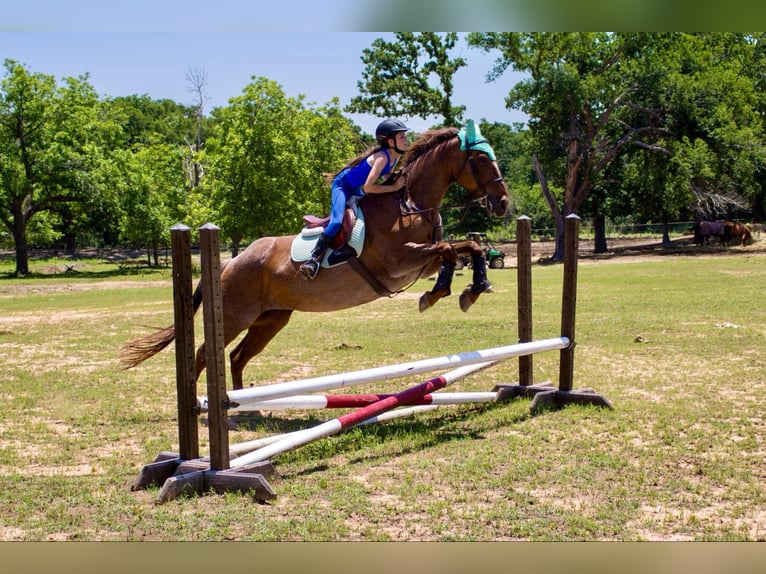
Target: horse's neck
(428, 183)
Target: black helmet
(388, 129)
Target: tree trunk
(665, 230)
(599, 228)
(20, 238)
(558, 253)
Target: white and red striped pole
(336, 425)
(254, 444)
(309, 402)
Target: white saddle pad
(304, 242)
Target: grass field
(676, 343)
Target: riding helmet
(388, 129)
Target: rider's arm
(370, 185)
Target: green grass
(675, 343)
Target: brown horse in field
(725, 230)
(732, 229)
(262, 286)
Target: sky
(318, 65)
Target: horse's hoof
(467, 298)
(424, 302)
(429, 298)
(483, 287)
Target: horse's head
(480, 174)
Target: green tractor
(495, 257)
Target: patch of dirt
(637, 249)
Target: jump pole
(309, 402)
(251, 445)
(344, 380)
(346, 421)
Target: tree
(49, 148)
(584, 98)
(197, 80)
(152, 191)
(268, 158)
(398, 79)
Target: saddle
(314, 225)
(348, 243)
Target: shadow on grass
(71, 273)
(407, 436)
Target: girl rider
(361, 175)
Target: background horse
(725, 230)
(732, 229)
(710, 229)
(262, 286)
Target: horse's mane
(427, 142)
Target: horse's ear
(470, 132)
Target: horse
(734, 229)
(262, 286)
(725, 230)
(708, 229)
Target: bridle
(474, 170)
(481, 201)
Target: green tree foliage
(268, 159)
(51, 142)
(400, 78)
(152, 191)
(584, 103)
(598, 102)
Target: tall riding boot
(311, 267)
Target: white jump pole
(309, 402)
(354, 418)
(327, 382)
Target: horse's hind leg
(258, 335)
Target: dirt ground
(637, 249)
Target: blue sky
(317, 65)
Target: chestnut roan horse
(262, 286)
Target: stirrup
(310, 268)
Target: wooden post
(565, 395)
(186, 383)
(569, 300)
(214, 347)
(524, 287)
(186, 472)
(526, 386)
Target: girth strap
(379, 288)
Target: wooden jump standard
(545, 395)
(186, 472)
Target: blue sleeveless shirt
(355, 177)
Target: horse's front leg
(480, 283)
(443, 285)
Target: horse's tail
(138, 350)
